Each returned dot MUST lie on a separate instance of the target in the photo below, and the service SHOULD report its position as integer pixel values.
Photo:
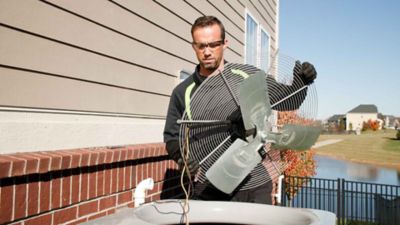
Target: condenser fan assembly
(237, 124)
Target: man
(209, 43)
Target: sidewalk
(326, 142)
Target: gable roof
(336, 118)
(364, 109)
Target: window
(264, 55)
(183, 74)
(257, 44)
(251, 41)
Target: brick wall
(73, 186)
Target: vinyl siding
(118, 57)
(357, 119)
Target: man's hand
(192, 165)
(305, 71)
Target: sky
(353, 44)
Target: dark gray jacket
(177, 106)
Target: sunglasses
(212, 45)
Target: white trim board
(35, 131)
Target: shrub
(374, 125)
(370, 125)
(398, 135)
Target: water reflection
(333, 168)
(362, 172)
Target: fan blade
(254, 101)
(297, 137)
(242, 157)
(234, 165)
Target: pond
(331, 168)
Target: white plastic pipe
(278, 194)
(140, 191)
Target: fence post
(283, 196)
(343, 201)
(338, 204)
(338, 201)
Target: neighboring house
(84, 88)
(360, 114)
(335, 119)
(396, 123)
(381, 117)
(333, 122)
(390, 121)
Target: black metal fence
(352, 202)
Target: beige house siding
(94, 73)
(357, 119)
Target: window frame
(246, 55)
(267, 49)
(258, 46)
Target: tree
(299, 163)
(342, 125)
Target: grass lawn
(370, 147)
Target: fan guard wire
(216, 100)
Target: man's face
(209, 48)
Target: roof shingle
(364, 109)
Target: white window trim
(268, 47)
(247, 13)
(258, 44)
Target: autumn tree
(299, 163)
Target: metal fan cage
(209, 129)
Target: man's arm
(303, 74)
(171, 133)
(171, 129)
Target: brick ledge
(20, 164)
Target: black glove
(192, 164)
(305, 71)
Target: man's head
(209, 43)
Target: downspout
(140, 191)
(278, 195)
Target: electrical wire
(155, 203)
(186, 170)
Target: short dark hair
(205, 21)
